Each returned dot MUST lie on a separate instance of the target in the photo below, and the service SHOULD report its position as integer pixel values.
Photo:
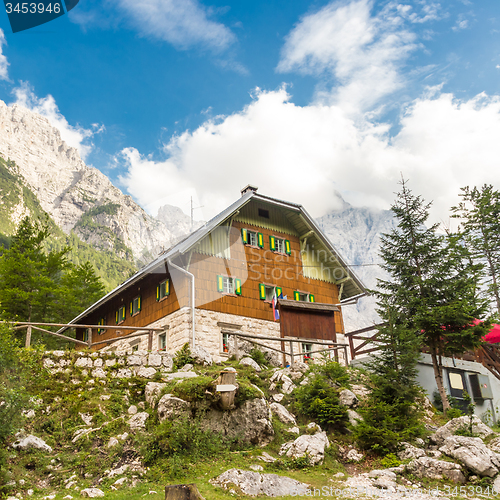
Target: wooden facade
(210, 258)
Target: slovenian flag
(276, 314)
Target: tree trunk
(438, 374)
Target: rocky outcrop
(348, 398)
(254, 483)
(473, 453)
(250, 423)
(449, 429)
(170, 407)
(201, 356)
(408, 451)
(68, 189)
(31, 442)
(250, 362)
(309, 446)
(427, 467)
(152, 392)
(282, 413)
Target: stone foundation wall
(209, 325)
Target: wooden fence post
(89, 340)
(28, 336)
(291, 353)
(150, 340)
(236, 348)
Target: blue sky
(180, 98)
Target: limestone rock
(112, 442)
(473, 453)
(176, 375)
(188, 367)
(278, 397)
(449, 429)
(32, 442)
(201, 356)
(494, 445)
(132, 410)
(282, 413)
(427, 467)
(92, 492)
(170, 407)
(296, 371)
(408, 451)
(280, 377)
(348, 398)
(250, 362)
(167, 361)
(154, 359)
(384, 479)
(307, 445)
(87, 418)
(354, 417)
(152, 392)
(138, 421)
(250, 423)
(354, 455)
(146, 372)
(253, 483)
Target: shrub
(320, 401)
(183, 356)
(258, 356)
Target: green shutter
(131, 307)
(262, 291)
(237, 286)
(288, 249)
(157, 293)
(279, 291)
(220, 284)
(272, 243)
(116, 317)
(244, 235)
(296, 295)
(260, 240)
(167, 286)
(139, 303)
(311, 297)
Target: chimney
(248, 188)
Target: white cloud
(183, 23)
(307, 153)
(75, 136)
(361, 52)
(4, 64)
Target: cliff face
(74, 194)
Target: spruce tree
(479, 212)
(433, 285)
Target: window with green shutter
(135, 306)
(288, 249)
(260, 240)
(311, 297)
(296, 295)
(272, 243)
(262, 291)
(101, 322)
(237, 286)
(163, 290)
(220, 283)
(244, 236)
(120, 315)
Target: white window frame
(164, 285)
(135, 305)
(120, 320)
(162, 339)
(270, 292)
(224, 336)
(227, 285)
(279, 245)
(303, 297)
(306, 351)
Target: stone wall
(103, 365)
(209, 326)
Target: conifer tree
(479, 212)
(433, 285)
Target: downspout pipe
(192, 300)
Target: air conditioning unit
(480, 385)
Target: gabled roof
(300, 219)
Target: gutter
(192, 299)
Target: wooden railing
(137, 331)
(487, 354)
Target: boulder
(92, 492)
(384, 479)
(348, 398)
(178, 375)
(146, 372)
(201, 356)
(281, 379)
(250, 423)
(138, 421)
(278, 397)
(426, 467)
(354, 455)
(296, 371)
(254, 483)
(494, 445)
(152, 392)
(31, 442)
(250, 362)
(354, 417)
(496, 485)
(449, 429)
(408, 451)
(311, 446)
(282, 413)
(473, 453)
(170, 407)
(167, 361)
